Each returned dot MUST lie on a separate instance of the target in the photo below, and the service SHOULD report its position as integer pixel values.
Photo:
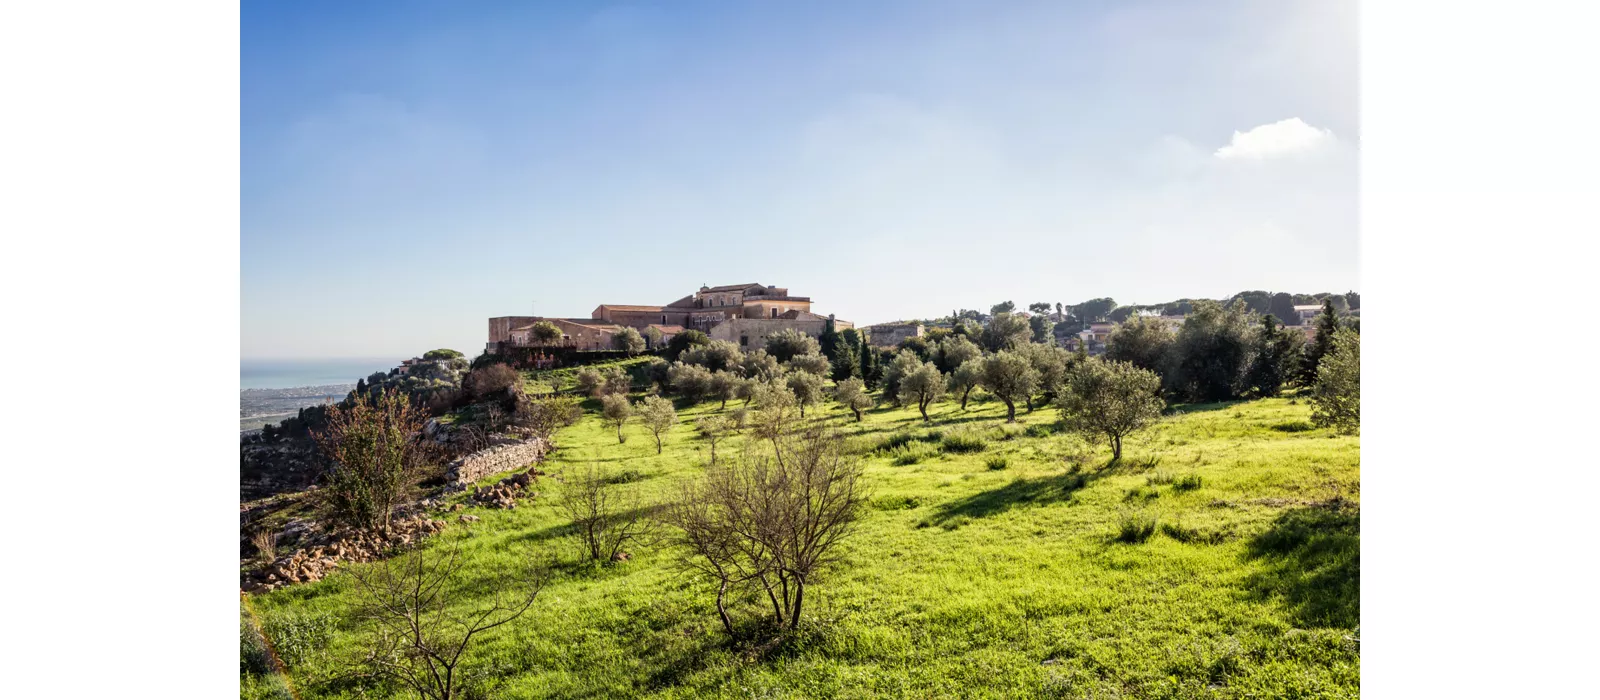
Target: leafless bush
(606, 517)
(266, 544)
(770, 520)
(422, 621)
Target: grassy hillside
(996, 573)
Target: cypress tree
(869, 367)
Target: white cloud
(1286, 138)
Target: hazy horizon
(411, 169)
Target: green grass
(960, 582)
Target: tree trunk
(722, 610)
(1011, 411)
(658, 443)
(858, 413)
(1029, 399)
(777, 611)
(799, 597)
(619, 433)
(964, 395)
(923, 407)
(724, 405)
(802, 409)
(1116, 448)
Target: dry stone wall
(496, 459)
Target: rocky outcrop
(493, 460)
(505, 493)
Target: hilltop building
(740, 313)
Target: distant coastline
(273, 390)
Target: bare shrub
(771, 521)
(266, 544)
(423, 622)
(605, 517)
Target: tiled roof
(629, 307)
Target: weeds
(1189, 482)
(996, 463)
(1294, 426)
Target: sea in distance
(272, 390)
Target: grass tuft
(1134, 527)
(963, 442)
(996, 463)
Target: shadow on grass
(1313, 557)
(1184, 408)
(1037, 491)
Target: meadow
(1219, 558)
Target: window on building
(663, 319)
(774, 312)
(744, 341)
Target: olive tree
(922, 386)
(1004, 332)
(1010, 377)
(714, 429)
(658, 416)
(760, 366)
(953, 351)
(628, 340)
(546, 332)
(1336, 397)
(1141, 340)
(968, 375)
(789, 342)
(690, 381)
(904, 363)
(1108, 400)
(812, 364)
(852, 394)
(615, 410)
(721, 387)
(807, 388)
(589, 381)
(716, 355)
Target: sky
(410, 169)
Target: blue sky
(412, 168)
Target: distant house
(1307, 313)
(888, 335)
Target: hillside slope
(965, 579)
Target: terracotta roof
(629, 307)
(684, 303)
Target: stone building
(888, 335)
(740, 313)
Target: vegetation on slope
(1218, 558)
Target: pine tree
(846, 364)
(1322, 344)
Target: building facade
(741, 313)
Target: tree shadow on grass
(1183, 408)
(1313, 558)
(1036, 491)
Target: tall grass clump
(1134, 527)
(1188, 482)
(996, 463)
(911, 453)
(963, 442)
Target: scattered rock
(469, 518)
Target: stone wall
(756, 330)
(496, 459)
